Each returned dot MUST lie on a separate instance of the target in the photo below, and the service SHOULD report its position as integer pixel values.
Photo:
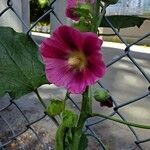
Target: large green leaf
(123, 21)
(21, 71)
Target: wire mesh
(13, 138)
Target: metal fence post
(25, 14)
(9, 18)
(59, 8)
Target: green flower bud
(54, 108)
(82, 25)
(69, 118)
(83, 10)
(101, 95)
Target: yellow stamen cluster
(77, 60)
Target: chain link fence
(22, 138)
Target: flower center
(77, 60)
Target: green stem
(121, 121)
(44, 105)
(64, 101)
(86, 108)
(96, 14)
(97, 19)
(101, 16)
(76, 139)
(60, 138)
(86, 112)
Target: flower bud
(108, 103)
(101, 95)
(69, 118)
(54, 108)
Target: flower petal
(89, 77)
(72, 38)
(53, 48)
(91, 43)
(58, 72)
(77, 85)
(71, 3)
(97, 66)
(71, 13)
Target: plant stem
(96, 14)
(60, 138)
(121, 121)
(101, 16)
(86, 108)
(97, 19)
(64, 101)
(86, 112)
(44, 105)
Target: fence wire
(13, 141)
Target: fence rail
(13, 137)
(130, 7)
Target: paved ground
(123, 80)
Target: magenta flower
(71, 11)
(73, 59)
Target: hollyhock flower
(71, 8)
(72, 58)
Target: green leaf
(55, 107)
(85, 6)
(84, 10)
(123, 21)
(69, 118)
(21, 71)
